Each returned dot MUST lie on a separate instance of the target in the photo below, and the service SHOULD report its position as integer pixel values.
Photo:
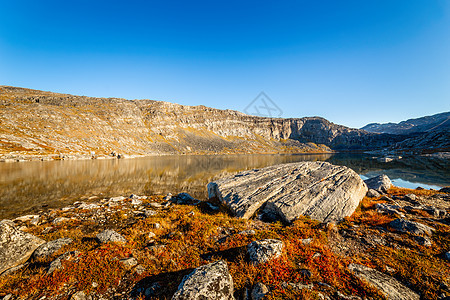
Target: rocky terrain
(45, 124)
(394, 245)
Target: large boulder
(380, 183)
(212, 281)
(320, 190)
(16, 246)
(389, 286)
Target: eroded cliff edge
(43, 123)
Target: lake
(28, 187)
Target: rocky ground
(394, 246)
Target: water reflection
(27, 187)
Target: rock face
(389, 286)
(264, 250)
(319, 190)
(46, 122)
(49, 248)
(15, 246)
(380, 183)
(212, 281)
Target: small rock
(151, 235)
(110, 236)
(424, 241)
(371, 193)
(306, 242)
(136, 202)
(410, 197)
(388, 209)
(247, 232)
(8, 297)
(297, 286)
(264, 250)
(49, 248)
(380, 183)
(129, 262)
(80, 296)
(156, 225)
(155, 204)
(316, 255)
(117, 199)
(149, 212)
(404, 225)
(390, 270)
(57, 263)
(89, 206)
(212, 281)
(259, 291)
(59, 220)
(139, 269)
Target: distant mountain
(438, 122)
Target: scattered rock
(259, 291)
(319, 190)
(341, 296)
(15, 246)
(57, 263)
(136, 202)
(110, 236)
(212, 281)
(380, 183)
(8, 297)
(139, 269)
(80, 296)
(372, 193)
(117, 199)
(88, 206)
(264, 250)
(424, 241)
(49, 248)
(404, 225)
(306, 242)
(247, 232)
(389, 209)
(389, 286)
(129, 262)
(297, 286)
(59, 220)
(410, 197)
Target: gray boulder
(372, 193)
(389, 286)
(264, 250)
(212, 281)
(319, 190)
(49, 248)
(404, 225)
(380, 183)
(110, 236)
(16, 246)
(259, 291)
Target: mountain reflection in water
(28, 186)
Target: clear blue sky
(352, 62)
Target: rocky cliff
(41, 123)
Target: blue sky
(352, 62)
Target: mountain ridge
(41, 123)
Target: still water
(31, 186)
